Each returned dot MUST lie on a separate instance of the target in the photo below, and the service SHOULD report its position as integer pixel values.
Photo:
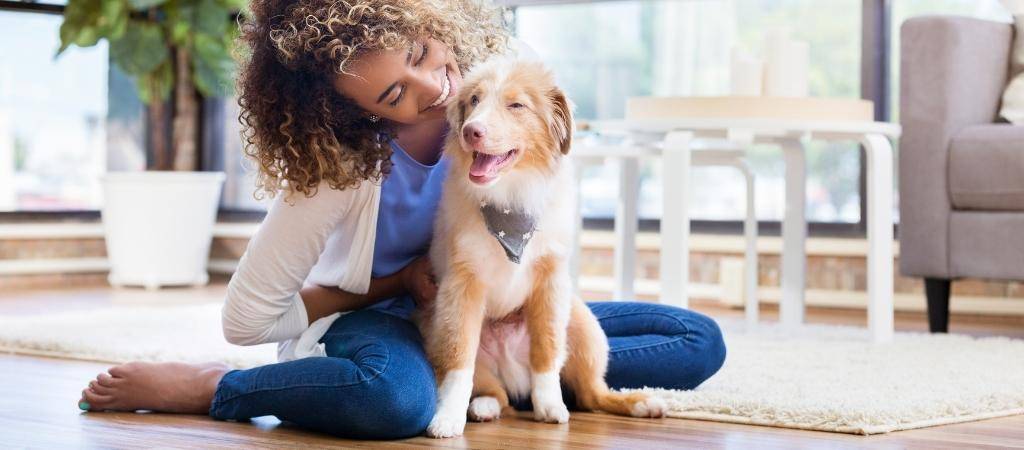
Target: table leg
(675, 219)
(575, 262)
(880, 236)
(750, 256)
(794, 235)
(626, 218)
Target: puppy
(506, 322)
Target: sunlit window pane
(240, 184)
(52, 118)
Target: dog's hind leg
(585, 369)
(489, 396)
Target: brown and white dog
(506, 322)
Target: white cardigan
(327, 240)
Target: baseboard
(643, 287)
(13, 267)
(94, 230)
(911, 302)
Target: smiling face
(406, 86)
(511, 117)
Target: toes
(121, 371)
(100, 389)
(97, 402)
(104, 379)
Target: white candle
(745, 73)
(785, 73)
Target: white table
(628, 155)
(792, 135)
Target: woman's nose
(429, 84)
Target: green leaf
(213, 69)
(233, 5)
(80, 24)
(211, 18)
(180, 32)
(113, 20)
(156, 85)
(141, 49)
(88, 21)
(140, 5)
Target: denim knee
(396, 409)
(706, 338)
(398, 403)
(398, 413)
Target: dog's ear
(456, 114)
(561, 119)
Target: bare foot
(164, 387)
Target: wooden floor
(38, 406)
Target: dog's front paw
(649, 407)
(446, 425)
(553, 412)
(484, 409)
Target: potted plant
(159, 223)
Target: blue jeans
(376, 382)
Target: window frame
(874, 68)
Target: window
(240, 171)
(605, 52)
(61, 119)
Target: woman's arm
(417, 278)
(263, 302)
(322, 301)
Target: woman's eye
(394, 102)
(474, 100)
(423, 56)
(517, 105)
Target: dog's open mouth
(486, 166)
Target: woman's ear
(561, 119)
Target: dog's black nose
(473, 133)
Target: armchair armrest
(953, 71)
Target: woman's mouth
(448, 89)
(485, 166)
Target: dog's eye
(474, 100)
(516, 105)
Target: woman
(343, 109)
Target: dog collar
(512, 229)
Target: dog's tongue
(483, 164)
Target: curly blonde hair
(295, 126)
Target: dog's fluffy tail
(585, 369)
(636, 404)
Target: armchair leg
(937, 291)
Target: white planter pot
(159, 225)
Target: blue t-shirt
(405, 222)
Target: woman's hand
(418, 279)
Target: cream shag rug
(820, 378)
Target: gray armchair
(961, 173)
